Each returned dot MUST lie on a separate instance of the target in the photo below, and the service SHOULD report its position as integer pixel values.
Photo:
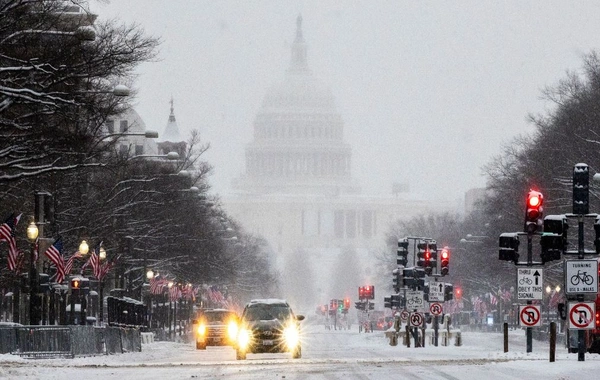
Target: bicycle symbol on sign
(415, 301)
(582, 277)
(525, 281)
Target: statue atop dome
(299, 62)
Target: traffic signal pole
(580, 250)
(529, 330)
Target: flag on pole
(7, 233)
(70, 261)
(55, 256)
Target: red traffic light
(534, 204)
(346, 303)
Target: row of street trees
(569, 133)
(58, 69)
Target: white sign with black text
(581, 276)
(529, 283)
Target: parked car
(269, 325)
(215, 327)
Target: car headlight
(201, 329)
(243, 338)
(232, 330)
(291, 336)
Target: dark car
(215, 327)
(269, 325)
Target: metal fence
(68, 341)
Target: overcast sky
(429, 91)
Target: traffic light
(332, 304)
(554, 238)
(395, 300)
(458, 293)
(359, 305)
(340, 305)
(534, 211)
(581, 189)
(361, 293)
(509, 247)
(370, 292)
(423, 254)
(445, 261)
(397, 279)
(75, 283)
(347, 303)
(448, 292)
(371, 306)
(402, 258)
(387, 302)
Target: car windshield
(217, 316)
(267, 312)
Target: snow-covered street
(326, 355)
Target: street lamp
(32, 235)
(84, 248)
(150, 274)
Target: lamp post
(149, 277)
(548, 290)
(101, 257)
(32, 235)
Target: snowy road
(327, 355)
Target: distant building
(473, 196)
(298, 191)
(171, 140)
(130, 122)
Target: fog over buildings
(415, 96)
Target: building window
(139, 149)
(123, 149)
(123, 126)
(338, 224)
(351, 224)
(110, 126)
(367, 224)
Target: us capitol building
(298, 191)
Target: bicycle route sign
(415, 300)
(581, 276)
(581, 315)
(529, 283)
(530, 316)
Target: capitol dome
(298, 136)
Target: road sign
(529, 283)
(581, 276)
(416, 319)
(414, 300)
(404, 315)
(436, 308)
(529, 316)
(581, 315)
(436, 292)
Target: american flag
(104, 269)
(157, 285)
(54, 254)
(174, 293)
(70, 261)
(7, 233)
(493, 299)
(95, 263)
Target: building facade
(298, 191)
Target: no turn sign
(404, 314)
(581, 315)
(436, 308)
(416, 319)
(529, 316)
